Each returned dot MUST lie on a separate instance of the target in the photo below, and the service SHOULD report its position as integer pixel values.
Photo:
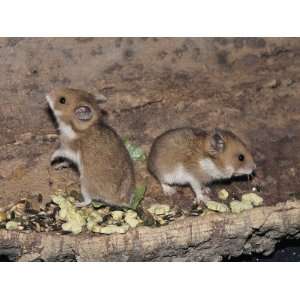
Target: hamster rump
(108, 174)
(168, 160)
(170, 147)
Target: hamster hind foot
(87, 199)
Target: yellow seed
(253, 199)
(217, 206)
(117, 215)
(2, 216)
(12, 225)
(223, 194)
(239, 206)
(159, 209)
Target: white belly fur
(179, 176)
(210, 168)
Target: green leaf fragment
(138, 196)
(135, 152)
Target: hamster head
(74, 109)
(229, 153)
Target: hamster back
(108, 173)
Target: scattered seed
(159, 209)
(132, 219)
(3, 216)
(253, 199)
(217, 206)
(238, 206)
(12, 225)
(223, 194)
(117, 215)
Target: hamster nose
(48, 98)
(50, 95)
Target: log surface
(203, 238)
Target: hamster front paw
(206, 190)
(83, 203)
(87, 199)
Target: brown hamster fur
(104, 164)
(196, 157)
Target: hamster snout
(247, 170)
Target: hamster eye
(62, 100)
(241, 157)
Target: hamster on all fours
(105, 167)
(196, 157)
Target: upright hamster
(104, 164)
(196, 157)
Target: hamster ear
(83, 112)
(216, 142)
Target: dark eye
(241, 157)
(62, 100)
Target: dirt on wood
(248, 85)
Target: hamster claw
(206, 190)
(82, 204)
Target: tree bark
(203, 238)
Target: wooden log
(203, 238)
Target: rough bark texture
(207, 238)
